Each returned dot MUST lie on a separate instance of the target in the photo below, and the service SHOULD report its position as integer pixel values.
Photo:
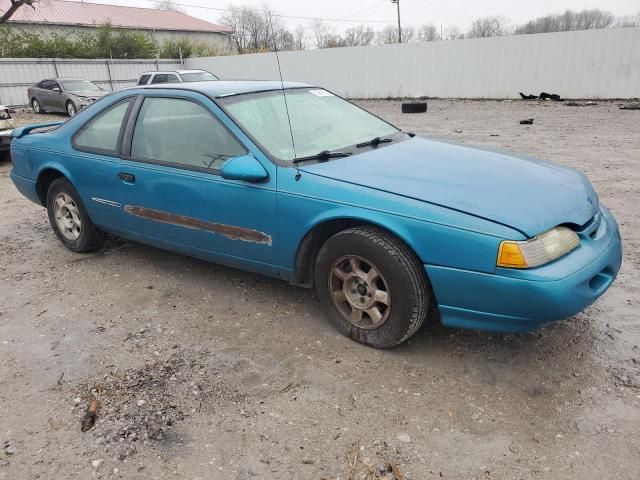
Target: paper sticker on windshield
(321, 93)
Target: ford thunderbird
(294, 182)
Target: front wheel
(71, 108)
(35, 105)
(70, 220)
(373, 287)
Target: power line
(364, 9)
(293, 17)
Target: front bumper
(524, 300)
(5, 139)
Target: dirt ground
(204, 372)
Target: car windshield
(320, 121)
(198, 77)
(79, 86)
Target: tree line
(259, 29)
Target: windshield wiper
(323, 155)
(374, 142)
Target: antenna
(286, 107)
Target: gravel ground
(204, 372)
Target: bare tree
(428, 33)
(389, 34)
(569, 21)
(168, 5)
(487, 27)
(13, 7)
(256, 29)
(628, 21)
(453, 33)
(300, 38)
(325, 36)
(359, 36)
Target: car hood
(529, 195)
(88, 93)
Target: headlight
(540, 250)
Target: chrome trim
(111, 203)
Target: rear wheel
(35, 105)
(373, 287)
(71, 108)
(69, 218)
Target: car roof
(63, 78)
(173, 71)
(226, 88)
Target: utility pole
(397, 2)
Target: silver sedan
(63, 95)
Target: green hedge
(105, 42)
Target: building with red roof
(65, 16)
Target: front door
(171, 193)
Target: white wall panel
(585, 64)
(17, 74)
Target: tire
(70, 222)
(400, 276)
(36, 106)
(414, 107)
(70, 108)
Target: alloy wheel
(67, 216)
(359, 292)
(35, 104)
(71, 109)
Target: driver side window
(183, 133)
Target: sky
(413, 12)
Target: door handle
(127, 177)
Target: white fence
(584, 64)
(17, 74)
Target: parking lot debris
(550, 96)
(9, 448)
(360, 467)
(528, 97)
(580, 104)
(89, 419)
(630, 106)
(528, 121)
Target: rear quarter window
(102, 134)
(144, 79)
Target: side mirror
(245, 168)
(56, 89)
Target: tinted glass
(160, 78)
(144, 79)
(48, 84)
(103, 131)
(182, 132)
(320, 121)
(198, 77)
(172, 78)
(79, 86)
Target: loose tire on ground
(414, 107)
(69, 218)
(398, 274)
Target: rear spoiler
(22, 131)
